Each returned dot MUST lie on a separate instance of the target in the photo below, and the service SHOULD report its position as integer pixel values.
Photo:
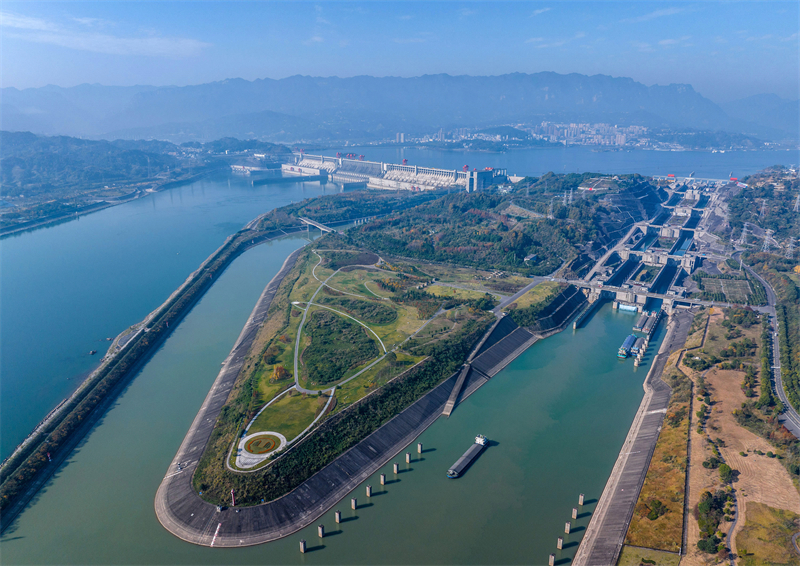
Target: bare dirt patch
(761, 479)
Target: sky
(725, 50)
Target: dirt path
(761, 479)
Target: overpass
(315, 224)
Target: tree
(726, 473)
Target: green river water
(557, 417)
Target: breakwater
(40, 454)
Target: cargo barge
(625, 349)
(472, 453)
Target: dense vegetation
(372, 312)
(709, 513)
(342, 206)
(778, 212)
(33, 164)
(337, 345)
(337, 434)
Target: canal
(557, 417)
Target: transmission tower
(790, 249)
(797, 203)
(565, 199)
(550, 210)
(570, 196)
(763, 208)
(765, 247)
(743, 239)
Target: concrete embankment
(26, 467)
(183, 513)
(606, 532)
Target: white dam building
(392, 176)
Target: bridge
(315, 224)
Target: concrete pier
(369, 491)
(580, 499)
(321, 531)
(560, 543)
(302, 547)
(383, 479)
(552, 560)
(408, 458)
(567, 527)
(419, 448)
(353, 503)
(396, 468)
(338, 516)
(574, 512)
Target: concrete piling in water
(408, 458)
(353, 503)
(560, 543)
(321, 531)
(567, 527)
(574, 512)
(302, 547)
(552, 560)
(383, 479)
(338, 516)
(419, 448)
(396, 468)
(369, 491)
(580, 499)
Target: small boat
(92, 352)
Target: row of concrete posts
(567, 529)
(354, 502)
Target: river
(559, 413)
(574, 159)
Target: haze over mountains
(367, 108)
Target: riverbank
(606, 531)
(40, 455)
(97, 207)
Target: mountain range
(367, 108)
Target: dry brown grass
(767, 536)
(665, 482)
(761, 479)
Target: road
(789, 418)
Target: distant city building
(400, 137)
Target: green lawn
(538, 294)
(290, 415)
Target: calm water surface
(579, 159)
(558, 414)
(65, 288)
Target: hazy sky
(725, 50)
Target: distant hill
(359, 108)
(768, 110)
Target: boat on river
(472, 453)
